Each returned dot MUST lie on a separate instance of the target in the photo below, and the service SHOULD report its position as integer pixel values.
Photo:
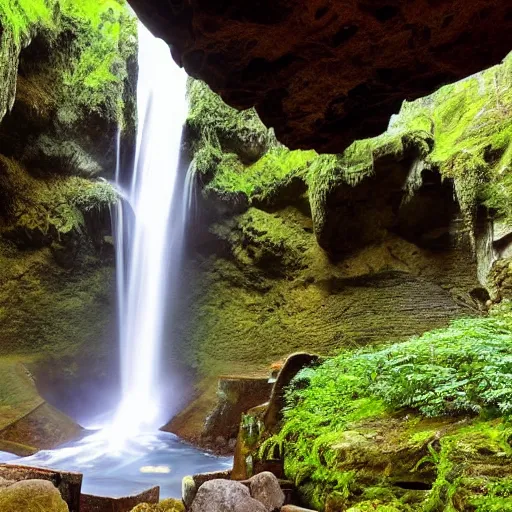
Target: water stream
(129, 454)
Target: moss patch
(98, 38)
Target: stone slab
(89, 503)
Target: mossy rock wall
(291, 250)
(301, 251)
(67, 89)
(264, 289)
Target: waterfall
(149, 227)
(144, 236)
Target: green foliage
(104, 38)
(497, 499)
(20, 16)
(465, 368)
(97, 38)
(374, 506)
(446, 484)
(87, 195)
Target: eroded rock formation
(292, 250)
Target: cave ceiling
(326, 72)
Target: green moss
(211, 119)
(497, 499)
(234, 153)
(472, 130)
(98, 37)
(264, 177)
(374, 505)
(56, 202)
(169, 505)
(20, 16)
(46, 309)
(105, 37)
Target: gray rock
(31, 496)
(266, 489)
(225, 496)
(221, 441)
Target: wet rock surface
(89, 503)
(324, 73)
(236, 396)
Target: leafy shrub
(465, 368)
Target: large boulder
(225, 496)
(67, 483)
(266, 489)
(31, 496)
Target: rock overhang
(324, 72)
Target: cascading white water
(143, 236)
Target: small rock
(188, 490)
(232, 444)
(225, 496)
(266, 489)
(32, 496)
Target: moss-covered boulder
(31, 496)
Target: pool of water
(150, 459)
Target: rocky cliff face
(292, 250)
(386, 240)
(67, 88)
